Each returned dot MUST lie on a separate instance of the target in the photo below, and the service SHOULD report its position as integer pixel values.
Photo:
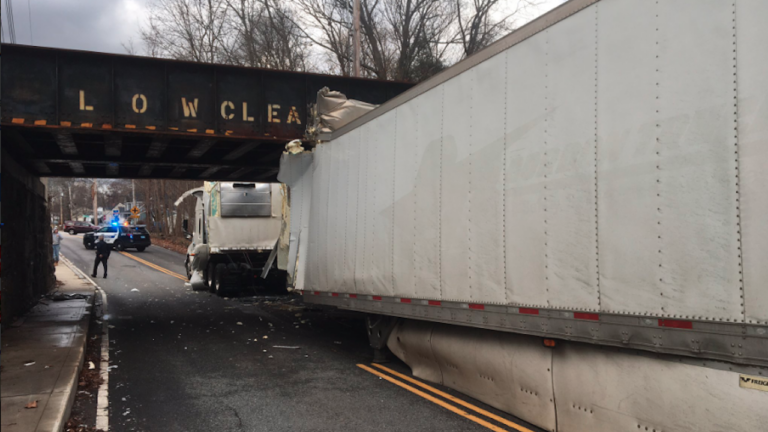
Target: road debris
(239, 323)
(91, 365)
(135, 290)
(29, 363)
(30, 405)
(286, 347)
(57, 296)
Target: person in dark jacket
(102, 255)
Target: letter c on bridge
(224, 106)
(134, 103)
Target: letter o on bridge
(134, 103)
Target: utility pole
(356, 36)
(61, 207)
(69, 186)
(95, 203)
(133, 195)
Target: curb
(59, 424)
(102, 396)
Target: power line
(29, 11)
(9, 19)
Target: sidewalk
(53, 336)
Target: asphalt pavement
(191, 361)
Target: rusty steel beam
(200, 148)
(140, 162)
(241, 151)
(113, 145)
(157, 148)
(66, 143)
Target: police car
(120, 237)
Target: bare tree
(332, 21)
(419, 29)
(267, 36)
(477, 27)
(260, 33)
(188, 30)
(395, 33)
(408, 40)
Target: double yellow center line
(444, 404)
(156, 267)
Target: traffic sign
(135, 211)
(135, 216)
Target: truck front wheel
(187, 267)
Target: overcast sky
(96, 25)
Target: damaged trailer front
(555, 187)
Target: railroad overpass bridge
(84, 114)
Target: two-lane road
(191, 361)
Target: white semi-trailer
(598, 178)
(234, 235)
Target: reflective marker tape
(352, 295)
(434, 303)
(405, 300)
(377, 297)
(675, 324)
(586, 316)
(476, 306)
(334, 294)
(529, 311)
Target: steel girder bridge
(84, 114)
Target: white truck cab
(234, 232)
